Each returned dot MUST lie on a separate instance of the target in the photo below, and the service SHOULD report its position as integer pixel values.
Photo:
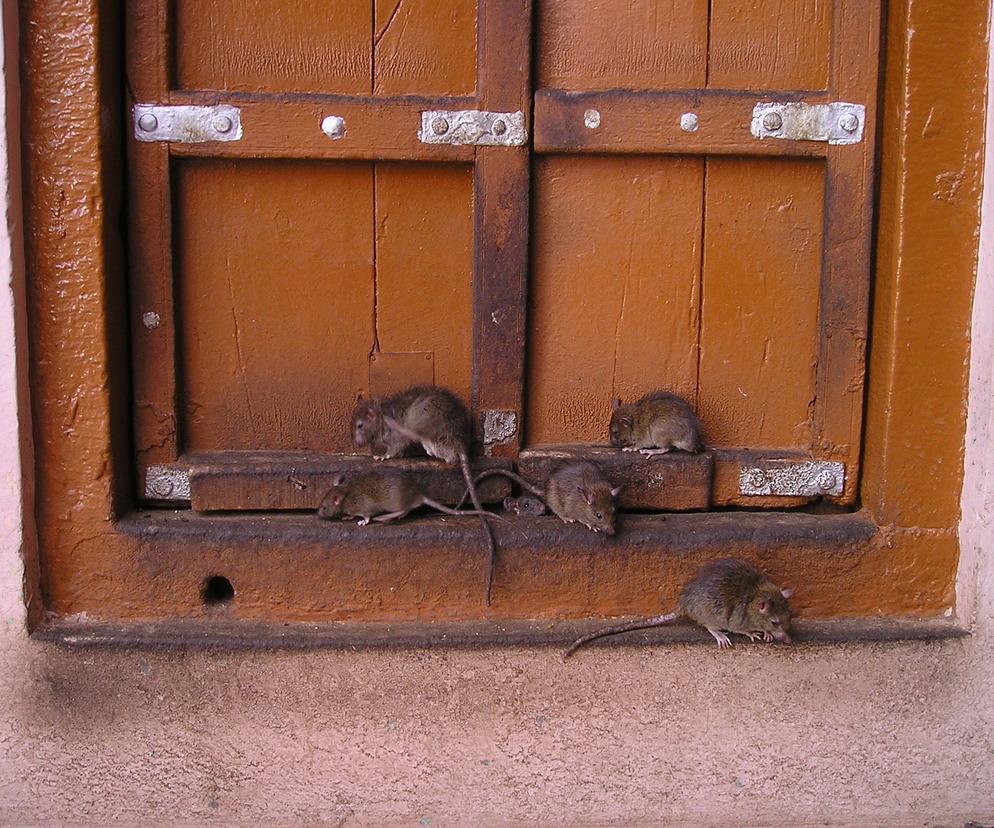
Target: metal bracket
(471, 126)
(187, 124)
(792, 479)
(836, 123)
(167, 483)
(499, 426)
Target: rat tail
(491, 541)
(644, 624)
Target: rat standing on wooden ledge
(656, 424)
(726, 596)
(436, 419)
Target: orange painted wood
(269, 480)
(275, 127)
(782, 44)
(649, 122)
(615, 289)
(150, 250)
(622, 44)
(501, 200)
(424, 267)
(275, 293)
(673, 482)
(273, 46)
(393, 371)
(424, 48)
(759, 317)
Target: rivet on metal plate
(689, 122)
(167, 483)
(187, 124)
(789, 478)
(591, 119)
(333, 126)
(473, 127)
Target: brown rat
(657, 423)
(576, 492)
(435, 418)
(380, 494)
(524, 506)
(726, 596)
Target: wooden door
(324, 247)
(673, 248)
(304, 245)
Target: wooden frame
(101, 557)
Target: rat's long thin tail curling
(644, 624)
(491, 541)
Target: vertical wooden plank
(424, 266)
(501, 225)
(777, 44)
(845, 289)
(424, 48)
(622, 44)
(759, 317)
(275, 293)
(273, 46)
(150, 244)
(615, 288)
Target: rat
(524, 506)
(381, 494)
(657, 423)
(437, 419)
(575, 492)
(726, 596)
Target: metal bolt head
(150, 320)
(148, 122)
(758, 479)
(591, 119)
(849, 122)
(333, 126)
(439, 126)
(772, 121)
(162, 486)
(826, 481)
(499, 127)
(222, 124)
(688, 122)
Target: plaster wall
(878, 734)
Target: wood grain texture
(615, 289)
(770, 44)
(424, 47)
(759, 317)
(424, 266)
(275, 271)
(673, 482)
(269, 480)
(628, 44)
(272, 46)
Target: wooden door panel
(275, 301)
(425, 48)
(271, 45)
(758, 44)
(424, 267)
(615, 278)
(629, 44)
(759, 316)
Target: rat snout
(609, 530)
(783, 636)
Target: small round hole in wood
(217, 590)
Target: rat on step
(657, 423)
(576, 492)
(524, 506)
(726, 596)
(433, 417)
(380, 494)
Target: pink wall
(873, 734)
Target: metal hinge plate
(187, 124)
(836, 123)
(789, 478)
(471, 126)
(167, 483)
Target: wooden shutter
(278, 276)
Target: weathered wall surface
(885, 734)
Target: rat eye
(599, 516)
(774, 620)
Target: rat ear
(763, 606)
(337, 498)
(588, 496)
(616, 491)
(615, 404)
(786, 593)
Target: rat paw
(724, 642)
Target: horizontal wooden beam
(650, 122)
